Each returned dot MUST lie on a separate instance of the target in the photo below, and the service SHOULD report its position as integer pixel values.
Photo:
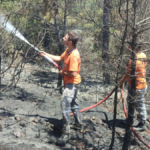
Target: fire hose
(10, 28)
(90, 107)
(126, 114)
(124, 107)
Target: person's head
(70, 39)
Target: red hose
(85, 109)
(135, 133)
(56, 65)
(90, 107)
(124, 106)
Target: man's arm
(68, 73)
(54, 57)
(124, 79)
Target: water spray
(10, 28)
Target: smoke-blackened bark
(131, 98)
(105, 45)
(117, 76)
(59, 84)
(127, 139)
(47, 41)
(0, 72)
(61, 47)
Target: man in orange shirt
(141, 86)
(72, 79)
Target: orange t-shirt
(72, 62)
(140, 71)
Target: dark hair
(73, 37)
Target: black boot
(140, 127)
(76, 126)
(63, 139)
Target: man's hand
(68, 73)
(42, 54)
(120, 86)
(61, 72)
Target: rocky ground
(30, 115)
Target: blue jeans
(140, 103)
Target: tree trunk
(46, 41)
(61, 47)
(59, 83)
(131, 101)
(0, 74)
(131, 106)
(105, 45)
(118, 69)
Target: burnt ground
(30, 115)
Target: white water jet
(10, 28)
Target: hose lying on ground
(85, 109)
(125, 111)
(124, 106)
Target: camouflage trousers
(139, 102)
(70, 103)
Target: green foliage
(31, 18)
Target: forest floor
(30, 115)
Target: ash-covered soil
(30, 115)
